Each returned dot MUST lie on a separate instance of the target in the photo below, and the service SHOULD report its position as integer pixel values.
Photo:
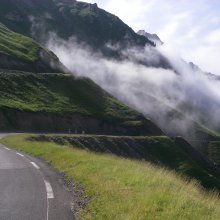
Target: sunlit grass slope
(59, 93)
(158, 150)
(62, 95)
(19, 52)
(123, 189)
(17, 45)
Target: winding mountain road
(30, 190)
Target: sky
(190, 27)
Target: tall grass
(122, 189)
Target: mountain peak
(152, 37)
(68, 18)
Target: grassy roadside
(158, 150)
(124, 189)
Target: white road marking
(6, 148)
(20, 154)
(48, 209)
(35, 165)
(49, 190)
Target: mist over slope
(174, 98)
(41, 100)
(89, 24)
(98, 45)
(57, 102)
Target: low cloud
(160, 94)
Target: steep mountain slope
(56, 102)
(22, 53)
(60, 103)
(97, 28)
(85, 21)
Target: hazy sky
(191, 27)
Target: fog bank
(160, 94)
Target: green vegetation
(18, 52)
(57, 94)
(17, 45)
(123, 189)
(60, 93)
(206, 132)
(161, 151)
(86, 12)
(82, 9)
(214, 152)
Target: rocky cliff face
(85, 21)
(152, 37)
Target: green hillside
(56, 102)
(63, 96)
(17, 45)
(58, 93)
(23, 53)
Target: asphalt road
(30, 190)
